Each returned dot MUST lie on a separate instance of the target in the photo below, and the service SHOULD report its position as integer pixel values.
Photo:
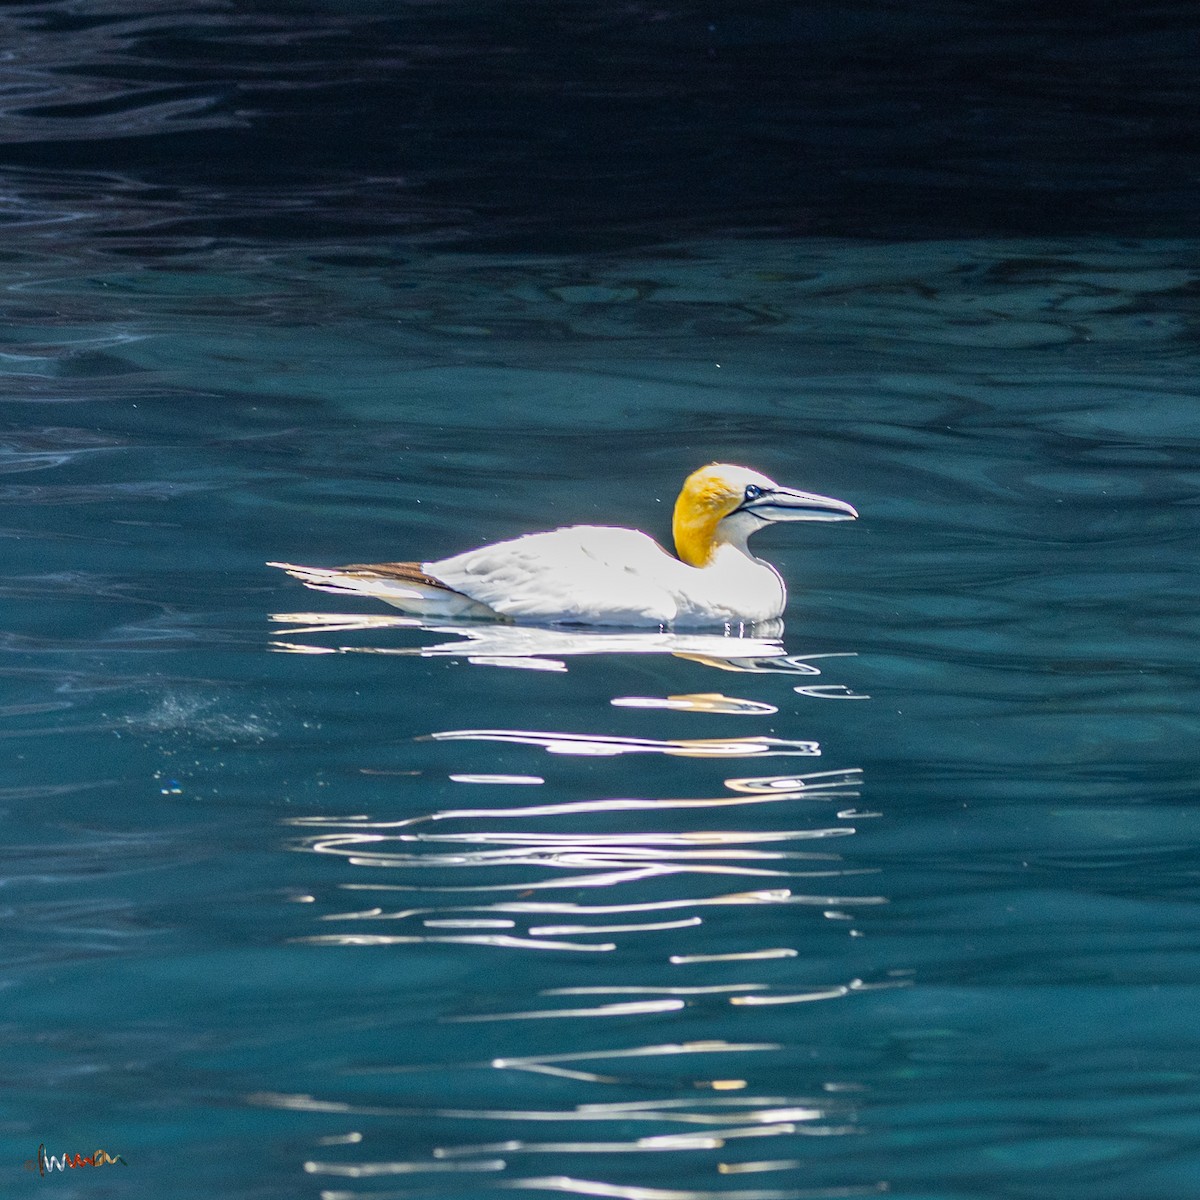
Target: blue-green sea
(307, 899)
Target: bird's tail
(406, 586)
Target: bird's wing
(406, 586)
(398, 572)
(590, 574)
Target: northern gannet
(600, 575)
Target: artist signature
(47, 1162)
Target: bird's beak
(786, 504)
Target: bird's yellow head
(722, 503)
(707, 497)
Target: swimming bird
(600, 575)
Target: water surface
(309, 900)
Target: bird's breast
(603, 575)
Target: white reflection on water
(627, 1008)
(752, 1168)
(596, 745)
(374, 1170)
(503, 941)
(814, 785)
(592, 1187)
(528, 780)
(539, 647)
(737, 956)
(708, 1140)
(607, 805)
(829, 691)
(665, 1050)
(702, 702)
(644, 927)
(753, 649)
(664, 944)
(772, 896)
(765, 1112)
(715, 852)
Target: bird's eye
(753, 491)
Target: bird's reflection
(758, 648)
(650, 923)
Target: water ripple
(587, 744)
(683, 912)
(704, 702)
(533, 646)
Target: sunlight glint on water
(407, 923)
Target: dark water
(304, 900)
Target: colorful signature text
(47, 1162)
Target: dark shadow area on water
(578, 126)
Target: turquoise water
(269, 937)
(305, 899)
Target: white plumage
(600, 575)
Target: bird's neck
(701, 536)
